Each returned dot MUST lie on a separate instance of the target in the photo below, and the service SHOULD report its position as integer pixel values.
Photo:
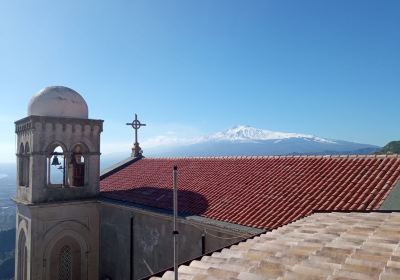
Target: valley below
(7, 221)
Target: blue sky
(329, 68)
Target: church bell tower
(58, 168)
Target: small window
(65, 264)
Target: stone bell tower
(58, 168)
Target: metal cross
(136, 124)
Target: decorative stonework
(65, 263)
(38, 122)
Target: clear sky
(329, 68)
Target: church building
(75, 222)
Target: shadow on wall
(189, 203)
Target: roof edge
(392, 200)
(230, 226)
(354, 211)
(226, 225)
(281, 156)
(118, 166)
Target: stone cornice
(46, 154)
(28, 123)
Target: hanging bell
(55, 161)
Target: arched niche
(26, 163)
(22, 256)
(66, 255)
(56, 165)
(23, 156)
(21, 167)
(65, 259)
(22, 251)
(78, 167)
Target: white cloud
(168, 140)
(166, 135)
(7, 152)
(115, 147)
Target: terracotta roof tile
(321, 246)
(264, 192)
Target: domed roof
(58, 101)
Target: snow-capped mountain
(247, 140)
(245, 133)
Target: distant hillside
(7, 244)
(390, 148)
(247, 141)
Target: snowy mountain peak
(246, 133)
(244, 140)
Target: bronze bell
(55, 161)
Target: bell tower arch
(58, 171)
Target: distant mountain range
(390, 148)
(248, 141)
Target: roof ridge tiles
(388, 156)
(351, 156)
(273, 156)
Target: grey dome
(58, 101)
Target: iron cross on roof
(136, 124)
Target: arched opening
(56, 166)
(77, 166)
(26, 164)
(22, 257)
(21, 167)
(65, 260)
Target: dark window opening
(21, 167)
(77, 168)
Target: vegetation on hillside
(390, 148)
(7, 217)
(7, 269)
(7, 244)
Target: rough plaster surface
(392, 202)
(152, 240)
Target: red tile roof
(262, 192)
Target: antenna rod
(175, 232)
